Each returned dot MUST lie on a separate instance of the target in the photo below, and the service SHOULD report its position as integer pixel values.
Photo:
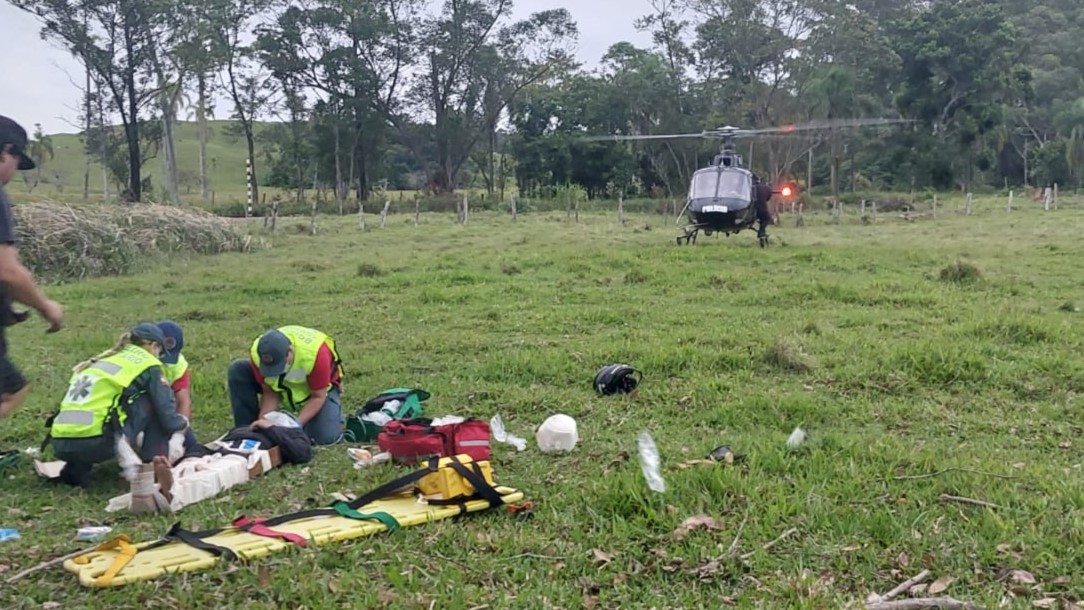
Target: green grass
(854, 332)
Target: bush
(58, 241)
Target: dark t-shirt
(7, 237)
(764, 192)
(7, 221)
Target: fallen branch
(536, 556)
(713, 566)
(963, 500)
(902, 588)
(940, 603)
(737, 537)
(769, 545)
(48, 564)
(941, 472)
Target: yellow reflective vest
(175, 371)
(94, 393)
(293, 385)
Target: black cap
(146, 331)
(12, 134)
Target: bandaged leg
(190, 481)
(152, 489)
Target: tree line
(445, 94)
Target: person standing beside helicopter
(763, 193)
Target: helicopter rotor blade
(731, 132)
(819, 125)
(644, 137)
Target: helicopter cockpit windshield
(721, 184)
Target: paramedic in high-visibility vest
(177, 374)
(114, 398)
(296, 368)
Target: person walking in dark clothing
(16, 282)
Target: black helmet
(616, 379)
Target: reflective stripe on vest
(174, 372)
(95, 392)
(306, 343)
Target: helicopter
(723, 197)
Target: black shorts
(11, 380)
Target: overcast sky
(38, 87)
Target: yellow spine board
(98, 568)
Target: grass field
(946, 350)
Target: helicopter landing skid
(689, 236)
(690, 233)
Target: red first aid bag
(412, 440)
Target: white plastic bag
(496, 428)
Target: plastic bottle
(390, 408)
(649, 462)
(92, 534)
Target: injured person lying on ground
(207, 470)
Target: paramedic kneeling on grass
(113, 398)
(292, 366)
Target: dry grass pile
(170, 229)
(58, 241)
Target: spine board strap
(343, 509)
(482, 488)
(195, 539)
(126, 551)
(259, 528)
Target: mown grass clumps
(961, 272)
(786, 354)
(941, 364)
(370, 270)
(61, 242)
(1018, 331)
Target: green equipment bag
(361, 427)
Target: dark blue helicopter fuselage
(721, 199)
(721, 213)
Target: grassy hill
(62, 176)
